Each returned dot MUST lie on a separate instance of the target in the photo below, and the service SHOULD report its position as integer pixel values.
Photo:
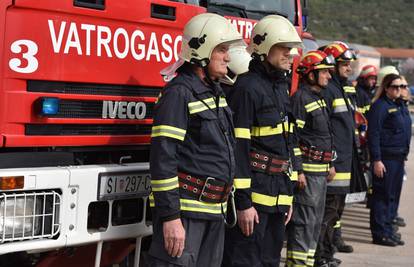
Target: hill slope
(378, 23)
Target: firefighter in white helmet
(192, 159)
(264, 147)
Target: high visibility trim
(339, 183)
(294, 176)
(271, 200)
(289, 263)
(199, 106)
(297, 151)
(392, 110)
(311, 252)
(151, 200)
(300, 123)
(310, 167)
(291, 127)
(242, 183)
(267, 130)
(337, 224)
(349, 89)
(164, 184)
(315, 105)
(198, 206)
(310, 262)
(342, 176)
(296, 255)
(339, 105)
(367, 107)
(242, 133)
(168, 131)
(356, 132)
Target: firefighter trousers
(204, 241)
(261, 249)
(333, 206)
(304, 227)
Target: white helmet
(201, 35)
(384, 71)
(239, 64)
(271, 30)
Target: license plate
(123, 185)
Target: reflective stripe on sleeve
(168, 131)
(164, 184)
(242, 183)
(342, 176)
(392, 110)
(300, 123)
(199, 106)
(271, 200)
(151, 200)
(242, 133)
(267, 130)
(309, 167)
(297, 255)
(339, 105)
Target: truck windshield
(253, 9)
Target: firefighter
(192, 149)
(389, 144)
(316, 145)
(264, 147)
(365, 87)
(342, 122)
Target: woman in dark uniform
(389, 137)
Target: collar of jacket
(199, 85)
(307, 88)
(267, 70)
(397, 102)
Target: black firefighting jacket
(340, 108)
(313, 127)
(363, 100)
(261, 106)
(192, 134)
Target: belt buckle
(206, 185)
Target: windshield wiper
(241, 8)
(267, 12)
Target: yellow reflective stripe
(310, 262)
(151, 200)
(311, 252)
(338, 102)
(337, 224)
(198, 206)
(199, 106)
(242, 183)
(288, 126)
(309, 167)
(271, 200)
(267, 130)
(297, 151)
(294, 176)
(297, 255)
(242, 133)
(291, 127)
(392, 110)
(356, 132)
(315, 105)
(349, 89)
(164, 184)
(168, 131)
(300, 123)
(366, 108)
(342, 176)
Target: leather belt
(210, 190)
(314, 154)
(269, 163)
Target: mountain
(377, 23)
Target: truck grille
(88, 109)
(87, 129)
(90, 89)
(25, 216)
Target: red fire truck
(78, 82)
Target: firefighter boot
(339, 243)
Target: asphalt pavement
(356, 232)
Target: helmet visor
(348, 55)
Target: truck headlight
(20, 216)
